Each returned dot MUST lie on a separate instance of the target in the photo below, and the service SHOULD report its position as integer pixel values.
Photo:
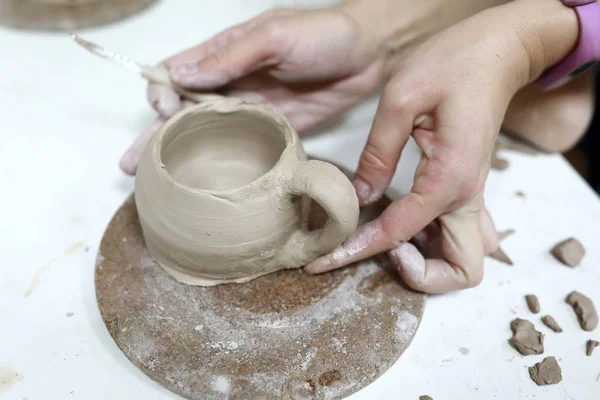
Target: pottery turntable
(284, 335)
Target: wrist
(394, 26)
(390, 26)
(548, 32)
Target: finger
(462, 248)
(164, 100)
(131, 158)
(400, 221)
(428, 241)
(403, 219)
(400, 110)
(263, 46)
(196, 53)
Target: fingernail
(184, 70)
(128, 164)
(410, 262)
(348, 251)
(363, 190)
(366, 194)
(320, 265)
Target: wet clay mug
(223, 191)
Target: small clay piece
(547, 372)
(590, 346)
(515, 145)
(585, 310)
(425, 397)
(526, 340)
(533, 303)
(500, 255)
(569, 252)
(520, 194)
(330, 377)
(504, 234)
(499, 163)
(551, 323)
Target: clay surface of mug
(222, 192)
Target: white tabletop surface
(66, 119)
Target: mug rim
(223, 105)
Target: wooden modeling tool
(152, 74)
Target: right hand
(311, 65)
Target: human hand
(450, 95)
(553, 121)
(311, 65)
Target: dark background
(586, 155)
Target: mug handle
(329, 187)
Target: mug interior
(211, 150)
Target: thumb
(263, 46)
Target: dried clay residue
(330, 377)
(8, 377)
(35, 281)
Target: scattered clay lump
(547, 372)
(551, 323)
(584, 309)
(526, 340)
(533, 303)
(569, 252)
(425, 397)
(590, 346)
(330, 377)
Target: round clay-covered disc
(66, 15)
(286, 335)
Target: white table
(67, 117)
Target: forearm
(398, 24)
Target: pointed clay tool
(152, 74)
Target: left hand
(450, 95)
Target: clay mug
(223, 191)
